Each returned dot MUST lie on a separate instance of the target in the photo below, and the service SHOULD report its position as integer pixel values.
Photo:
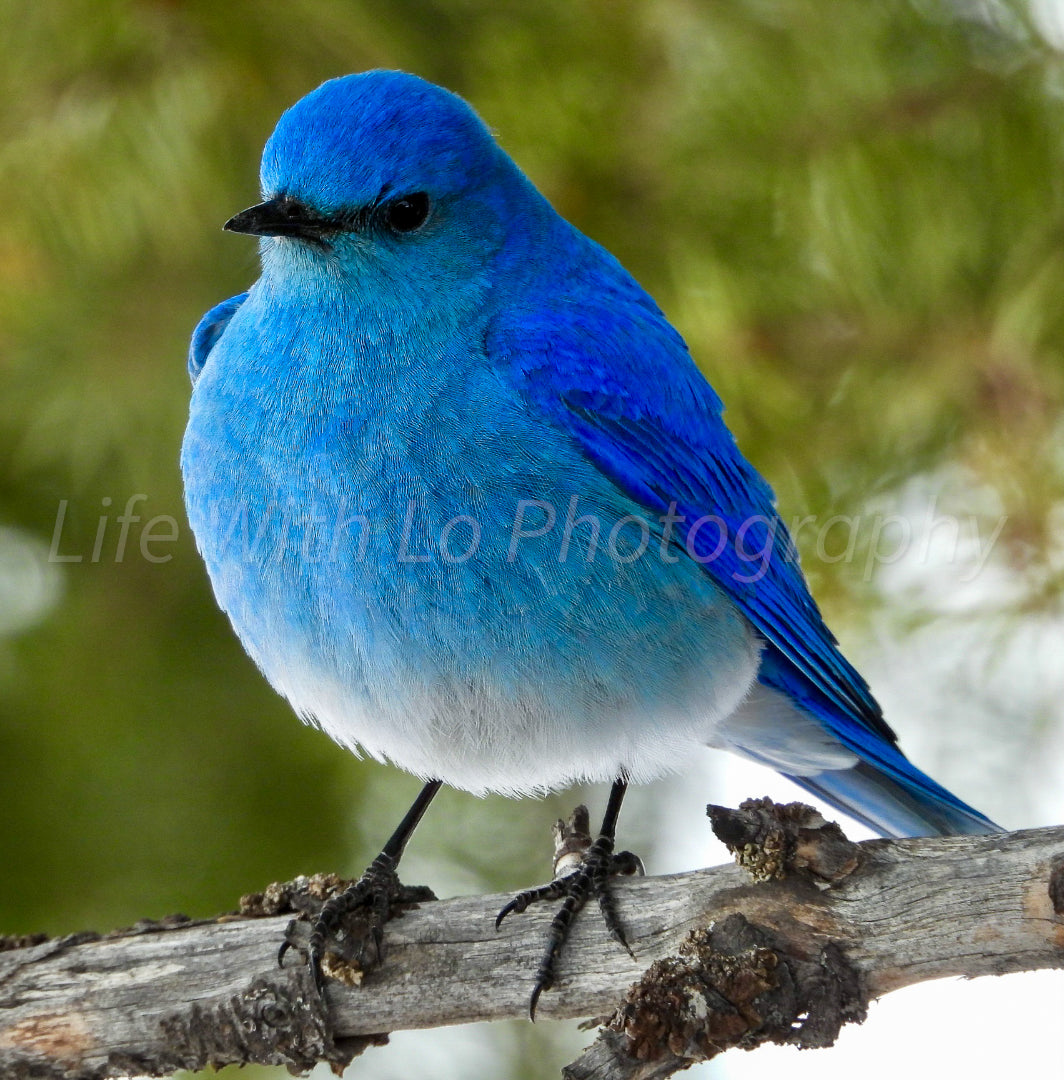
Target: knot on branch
(572, 838)
(303, 895)
(772, 840)
(272, 1022)
(694, 1004)
(733, 984)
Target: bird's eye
(408, 213)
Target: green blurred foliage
(852, 211)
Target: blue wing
(208, 331)
(623, 385)
(652, 423)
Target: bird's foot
(595, 863)
(340, 947)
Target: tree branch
(721, 961)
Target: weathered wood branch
(791, 957)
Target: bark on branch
(825, 927)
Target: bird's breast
(435, 576)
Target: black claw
(290, 943)
(592, 877)
(375, 896)
(377, 893)
(522, 900)
(374, 893)
(534, 1000)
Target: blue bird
(473, 510)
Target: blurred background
(855, 215)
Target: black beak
(283, 216)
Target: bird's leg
(591, 877)
(374, 895)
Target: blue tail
(846, 756)
(917, 807)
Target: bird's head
(382, 174)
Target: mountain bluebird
(472, 508)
